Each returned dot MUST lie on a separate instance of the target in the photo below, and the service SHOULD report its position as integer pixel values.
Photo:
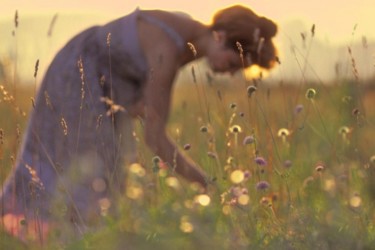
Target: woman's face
(221, 58)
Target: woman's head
(241, 26)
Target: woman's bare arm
(157, 97)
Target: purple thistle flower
(248, 140)
(260, 161)
(262, 185)
(298, 109)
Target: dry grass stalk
(52, 25)
(64, 126)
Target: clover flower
(248, 140)
(262, 185)
(260, 161)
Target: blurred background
(45, 26)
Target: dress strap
(180, 42)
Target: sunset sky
(334, 18)
(334, 21)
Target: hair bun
(268, 28)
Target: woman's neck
(198, 44)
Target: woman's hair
(253, 33)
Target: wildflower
(310, 93)
(283, 132)
(344, 130)
(235, 191)
(248, 140)
(266, 201)
(204, 129)
(251, 90)
(372, 159)
(247, 174)
(235, 129)
(260, 161)
(262, 185)
(230, 160)
(356, 112)
(233, 105)
(155, 166)
(298, 109)
(156, 159)
(137, 169)
(355, 201)
(187, 146)
(319, 167)
(288, 163)
(212, 155)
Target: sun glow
(254, 72)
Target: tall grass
(292, 167)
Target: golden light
(172, 182)
(185, 225)
(244, 199)
(203, 199)
(137, 169)
(237, 176)
(226, 209)
(134, 192)
(355, 201)
(254, 72)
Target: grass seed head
(283, 132)
(310, 93)
(204, 129)
(319, 167)
(251, 90)
(235, 129)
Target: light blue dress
(74, 154)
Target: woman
(80, 134)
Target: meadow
(291, 166)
